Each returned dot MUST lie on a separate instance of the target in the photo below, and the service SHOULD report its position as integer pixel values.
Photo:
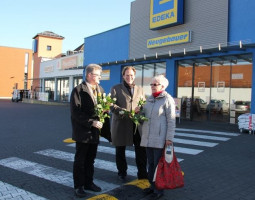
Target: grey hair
(162, 80)
(91, 67)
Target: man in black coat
(85, 129)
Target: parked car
(202, 103)
(220, 106)
(242, 106)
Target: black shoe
(148, 191)
(122, 177)
(155, 196)
(93, 187)
(142, 176)
(79, 192)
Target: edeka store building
(205, 49)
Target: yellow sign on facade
(177, 38)
(165, 13)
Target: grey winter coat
(161, 124)
(122, 127)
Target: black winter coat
(83, 113)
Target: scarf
(156, 94)
(129, 87)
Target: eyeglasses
(96, 75)
(155, 84)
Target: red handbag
(168, 174)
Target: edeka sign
(165, 13)
(177, 38)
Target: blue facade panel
(241, 20)
(109, 46)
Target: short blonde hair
(162, 80)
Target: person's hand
(168, 142)
(97, 124)
(137, 109)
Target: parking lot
(35, 163)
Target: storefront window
(77, 81)
(49, 86)
(63, 90)
(145, 72)
(240, 98)
(139, 74)
(215, 89)
(185, 89)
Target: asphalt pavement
(35, 163)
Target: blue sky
(21, 20)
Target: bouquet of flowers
(102, 107)
(136, 117)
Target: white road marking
(11, 192)
(194, 142)
(206, 131)
(111, 150)
(49, 173)
(202, 136)
(187, 150)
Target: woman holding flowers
(159, 130)
(123, 128)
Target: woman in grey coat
(159, 130)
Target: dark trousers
(83, 166)
(140, 158)
(153, 155)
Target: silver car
(243, 106)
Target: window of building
(215, 89)
(77, 81)
(145, 72)
(48, 48)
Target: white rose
(114, 99)
(121, 112)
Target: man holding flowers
(86, 127)
(123, 129)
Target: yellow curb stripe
(68, 140)
(143, 183)
(103, 197)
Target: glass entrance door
(63, 89)
(201, 97)
(218, 107)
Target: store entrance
(211, 89)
